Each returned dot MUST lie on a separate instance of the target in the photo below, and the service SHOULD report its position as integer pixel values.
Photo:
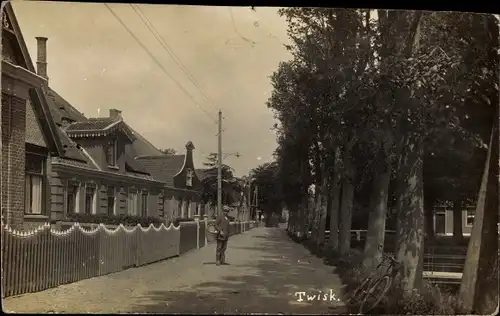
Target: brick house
(182, 186)
(29, 136)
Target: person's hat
(225, 208)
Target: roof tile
(163, 167)
(60, 108)
(34, 134)
(92, 124)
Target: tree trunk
(322, 212)
(457, 221)
(346, 217)
(479, 287)
(375, 234)
(316, 214)
(333, 241)
(410, 233)
(302, 220)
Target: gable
(13, 45)
(34, 133)
(15, 53)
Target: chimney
(41, 63)
(114, 113)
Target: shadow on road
(266, 282)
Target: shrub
(431, 300)
(114, 219)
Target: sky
(96, 65)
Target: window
(189, 178)
(179, 208)
(72, 198)
(144, 204)
(132, 203)
(111, 200)
(469, 220)
(188, 208)
(111, 152)
(33, 184)
(440, 220)
(89, 200)
(163, 201)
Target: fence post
(206, 225)
(138, 240)
(197, 233)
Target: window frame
(108, 196)
(467, 216)
(93, 205)
(189, 177)
(29, 174)
(72, 189)
(112, 148)
(440, 211)
(144, 203)
(132, 200)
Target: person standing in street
(222, 226)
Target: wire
(159, 64)
(169, 50)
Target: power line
(169, 50)
(159, 64)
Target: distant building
(443, 220)
(182, 186)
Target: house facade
(29, 136)
(113, 183)
(443, 220)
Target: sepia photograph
(202, 159)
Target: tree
(479, 287)
(231, 186)
(270, 199)
(379, 100)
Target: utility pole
(249, 200)
(219, 166)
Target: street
(266, 270)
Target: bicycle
(372, 289)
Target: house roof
(34, 131)
(132, 165)
(101, 126)
(93, 124)
(200, 173)
(60, 108)
(74, 155)
(142, 147)
(163, 167)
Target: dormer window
(189, 178)
(112, 151)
